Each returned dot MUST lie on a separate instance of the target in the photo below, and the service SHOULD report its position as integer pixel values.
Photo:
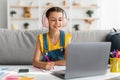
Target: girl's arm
(36, 59)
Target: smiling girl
(51, 47)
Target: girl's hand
(49, 65)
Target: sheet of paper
(57, 68)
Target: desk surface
(41, 74)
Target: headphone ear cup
(65, 22)
(45, 22)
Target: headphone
(45, 22)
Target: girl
(51, 48)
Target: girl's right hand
(49, 65)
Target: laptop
(85, 59)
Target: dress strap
(62, 38)
(45, 42)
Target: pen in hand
(47, 58)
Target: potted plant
(26, 25)
(12, 13)
(89, 13)
(76, 27)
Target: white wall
(3, 13)
(110, 14)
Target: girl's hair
(54, 9)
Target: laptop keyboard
(60, 74)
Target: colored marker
(111, 56)
(47, 58)
(114, 53)
(117, 53)
(118, 56)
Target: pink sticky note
(12, 77)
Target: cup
(115, 64)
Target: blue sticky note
(4, 68)
(1, 73)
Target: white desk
(40, 74)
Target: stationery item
(3, 74)
(115, 64)
(118, 55)
(23, 70)
(111, 55)
(46, 57)
(4, 68)
(12, 77)
(26, 78)
(118, 52)
(114, 53)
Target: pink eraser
(12, 77)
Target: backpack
(114, 38)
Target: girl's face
(55, 20)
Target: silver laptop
(86, 59)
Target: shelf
(24, 18)
(86, 7)
(85, 18)
(50, 6)
(24, 6)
